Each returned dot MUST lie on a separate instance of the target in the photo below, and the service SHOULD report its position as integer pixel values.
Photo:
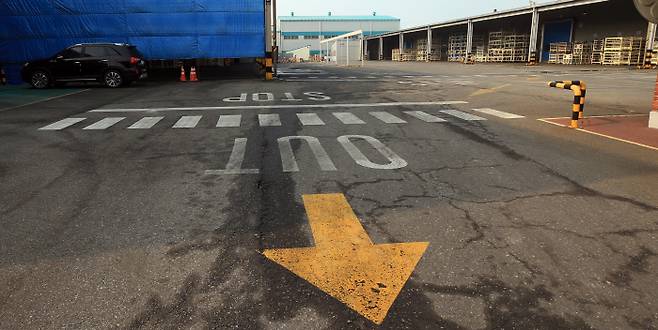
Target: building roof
(542, 7)
(336, 18)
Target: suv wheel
(40, 79)
(113, 79)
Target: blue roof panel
(337, 18)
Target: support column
(469, 42)
(381, 49)
(534, 35)
(429, 43)
(651, 37)
(365, 52)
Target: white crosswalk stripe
(146, 123)
(104, 123)
(462, 115)
(229, 121)
(62, 124)
(426, 117)
(348, 118)
(500, 114)
(188, 122)
(269, 120)
(310, 119)
(387, 117)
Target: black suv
(113, 65)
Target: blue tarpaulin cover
(161, 29)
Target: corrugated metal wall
(161, 29)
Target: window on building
(311, 37)
(290, 37)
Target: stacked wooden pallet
(597, 52)
(457, 48)
(582, 53)
(396, 55)
(508, 47)
(558, 51)
(407, 57)
(623, 51)
(480, 54)
(421, 50)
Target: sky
(411, 13)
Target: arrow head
(368, 279)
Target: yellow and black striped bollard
(579, 89)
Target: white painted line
(188, 122)
(310, 119)
(387, 117)
(497, 113)
(285, 106)
(269, 120)
(395, 161)
(462, 115)
(348, 118)
(547, 120)
(44, 100)
(234, 166)
(426, 117)
(289, 162)
(146, 123)
(62, 124)
(104, 123)
(229, 121)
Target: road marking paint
(104, 123)
(62, 124)
(229, 121)
(484, 91)
(348, 118)
(289, 162)
(548, 121)
(426, 117)
(146, 123)
(387, 117)
(310, 119)
(234, 166)
(395, 161)
(497, 113)
(44, 100)
(405, 82)
(188, 122)
(345, 263)
(291, 98)
(269, 120)
(462, 115)
(351, 77)
(284, 106)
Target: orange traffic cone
(183, 78)
(193, 76)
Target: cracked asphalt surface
(531, 226)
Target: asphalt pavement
(395, 196)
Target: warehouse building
(161, 29)
(300, 31)
(607, 32)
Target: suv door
(96, 59)
(67, 64)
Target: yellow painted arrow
(345, 263)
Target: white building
(299, 31)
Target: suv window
(96, 51)
(73, 52)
